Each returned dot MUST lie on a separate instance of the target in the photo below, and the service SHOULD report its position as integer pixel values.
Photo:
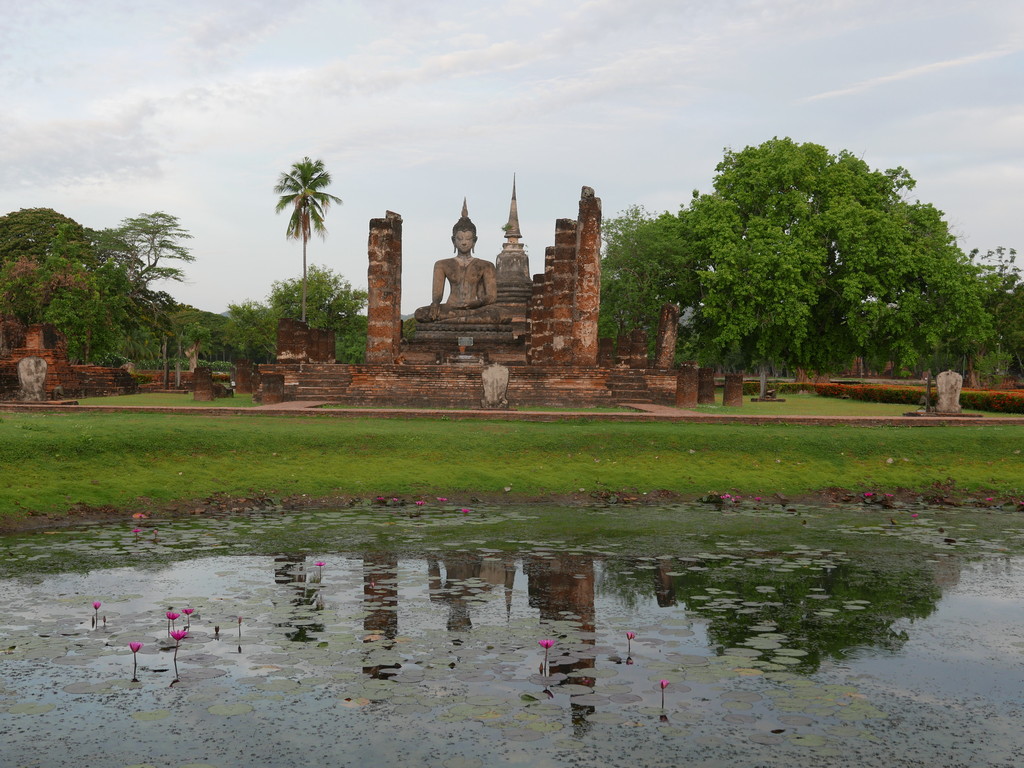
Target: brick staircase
(629, 385)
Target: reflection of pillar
(686, 385)
(290, 570)
(668, 332)
(706, 386)
(384, 290)
(380, 593)
(733, 395)
(664, 589)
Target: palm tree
(301, 189)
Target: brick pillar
(587, 287)
(292, 337)
(606, 352)
(733, 390)
(384, 294)
(539, 345)
(705, 386)
(638, 348)
(562, 289)
(668, 332)
(243, 377)
(686, 385)
(202, 385)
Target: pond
(426, 649)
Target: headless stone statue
(472, 281)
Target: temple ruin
(543, 329)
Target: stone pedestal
(733, 396)
(686, 385)
(706, 386)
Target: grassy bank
(52, 461)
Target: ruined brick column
(638, 348)
(733, 390)
(606, 352)
(539, 349)
(384, 294)
(271, 388)
(705, 386)
(243, 377)
(562, 287)
(686, 384)
(668, 332)
(202, 385)
(587, 283)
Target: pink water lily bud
(663, 684)
(97, 605)
(188, 611)
(171, 615)
(631, 635)
(545, 644)
(135, 646)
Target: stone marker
(948, 384)
(32, 378)
(705, 386)
(495, 381)
(733, 395)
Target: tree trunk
(177, 367)
(167, 369)
(304, 241)
(764, 382)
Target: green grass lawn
(52, 461)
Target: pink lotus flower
(664, 685)
(630, 635)
(171, 615)
(465, 511)
(179, 634)
(320, 563)
(545, 644)
(420, 503)
(629, 642)
(757, 498)
(442, 498)
(97, 604)
(135, 647)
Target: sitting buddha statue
(473, 287)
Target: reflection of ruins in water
(380, 600)
(291, 570)
(483, 574)
(558, 584)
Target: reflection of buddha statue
(472, 281)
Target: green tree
(1002, 288)
(29, 233)
(645, 264)
(810, 259)
(332, 304)
(301, 189)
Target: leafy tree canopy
(805, 258)
(29, 233)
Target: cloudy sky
(112, 108)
